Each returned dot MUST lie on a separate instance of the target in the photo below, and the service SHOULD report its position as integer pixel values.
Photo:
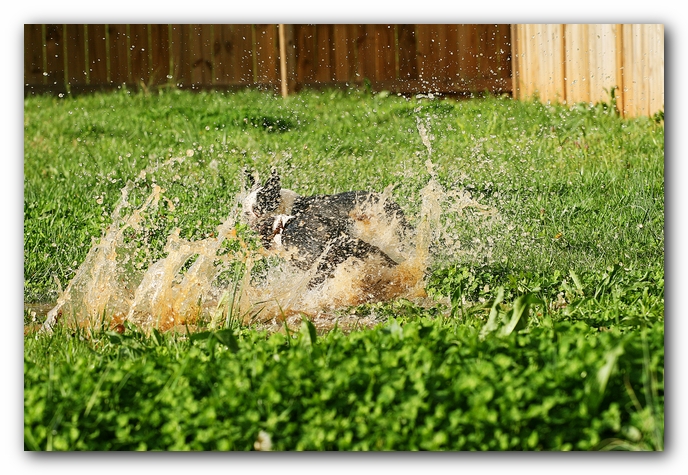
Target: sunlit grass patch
(543, 328)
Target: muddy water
(223, 278)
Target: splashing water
(225, 277)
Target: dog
(319, 228)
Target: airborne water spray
(227, 276)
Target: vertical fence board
(97, 55)
(516, 51)
(545, 58)
(160, 49)
(225, 55)
(33, 55)
(139, 54)
(267, 54)
(178, 61)
(218, 56)
(343, 53)
(323, 56)
(639, 69)
(553, 74)
(536, 54)
(365, 41)
(74, 57)
(503, 52)
(408, 62)
(631, 68)
(197, 62)
(207, 40)
(305, 52)
(577, 53)
(486, 46)
(200, 46)
(423, 52)
(54, 55)
(385, 68)
(602, 41)
(655, 84)
(527, 61)
(118, 54)
(184, 54)
(467, 50)
(452, 54)
(432, 55)
(442, 51)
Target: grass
(547, 332)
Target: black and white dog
(315, 228)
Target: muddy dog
(317, 228)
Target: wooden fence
(566, 63)
(583, 63)
(404, 58)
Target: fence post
(287, 58)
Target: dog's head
(262, 200)
(270, 230)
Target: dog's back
(317, 227)
(348, 205)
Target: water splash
(424, 135)
(228, 277)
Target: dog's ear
(268, 197)
(250, 179)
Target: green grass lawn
(546, 332)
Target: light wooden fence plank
(603, 67)
(576, 81)
(632, 69)
(554, 73)
(655, 84)
(597, 59)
